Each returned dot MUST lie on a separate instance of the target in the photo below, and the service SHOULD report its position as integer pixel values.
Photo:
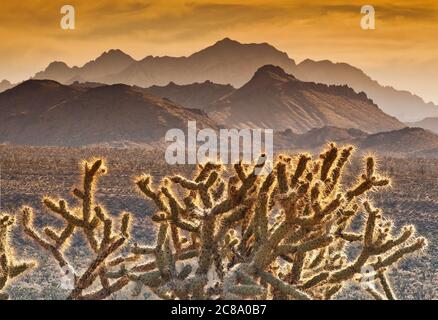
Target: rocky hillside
(277, 100)
(41, 112)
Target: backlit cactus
(98, 229)
(10, 268)
(230, 233)
(280, 236)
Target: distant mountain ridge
(317, 137)
(225, 62)
(110, 62)
(231, 62)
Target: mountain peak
(57, 66)
(270, 73)
(271, 69)
(111, 56)
(227, 42)
(114, 53)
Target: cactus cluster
(284, 235)
(10, 268)
(296, 232)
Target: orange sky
(402, 51)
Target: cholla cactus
(280, 236)
(97, 227)
(234, 235)
(10, 268)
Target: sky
(402, 51)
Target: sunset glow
(402, 51)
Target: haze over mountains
(230, 62)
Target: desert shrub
(229, 233)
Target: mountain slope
(275, 99)
(42, 112)
(430, 124)
(401, 104)
(196, 95)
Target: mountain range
(234, 63)
(119, 101)
(45, 112)
(49, 113)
